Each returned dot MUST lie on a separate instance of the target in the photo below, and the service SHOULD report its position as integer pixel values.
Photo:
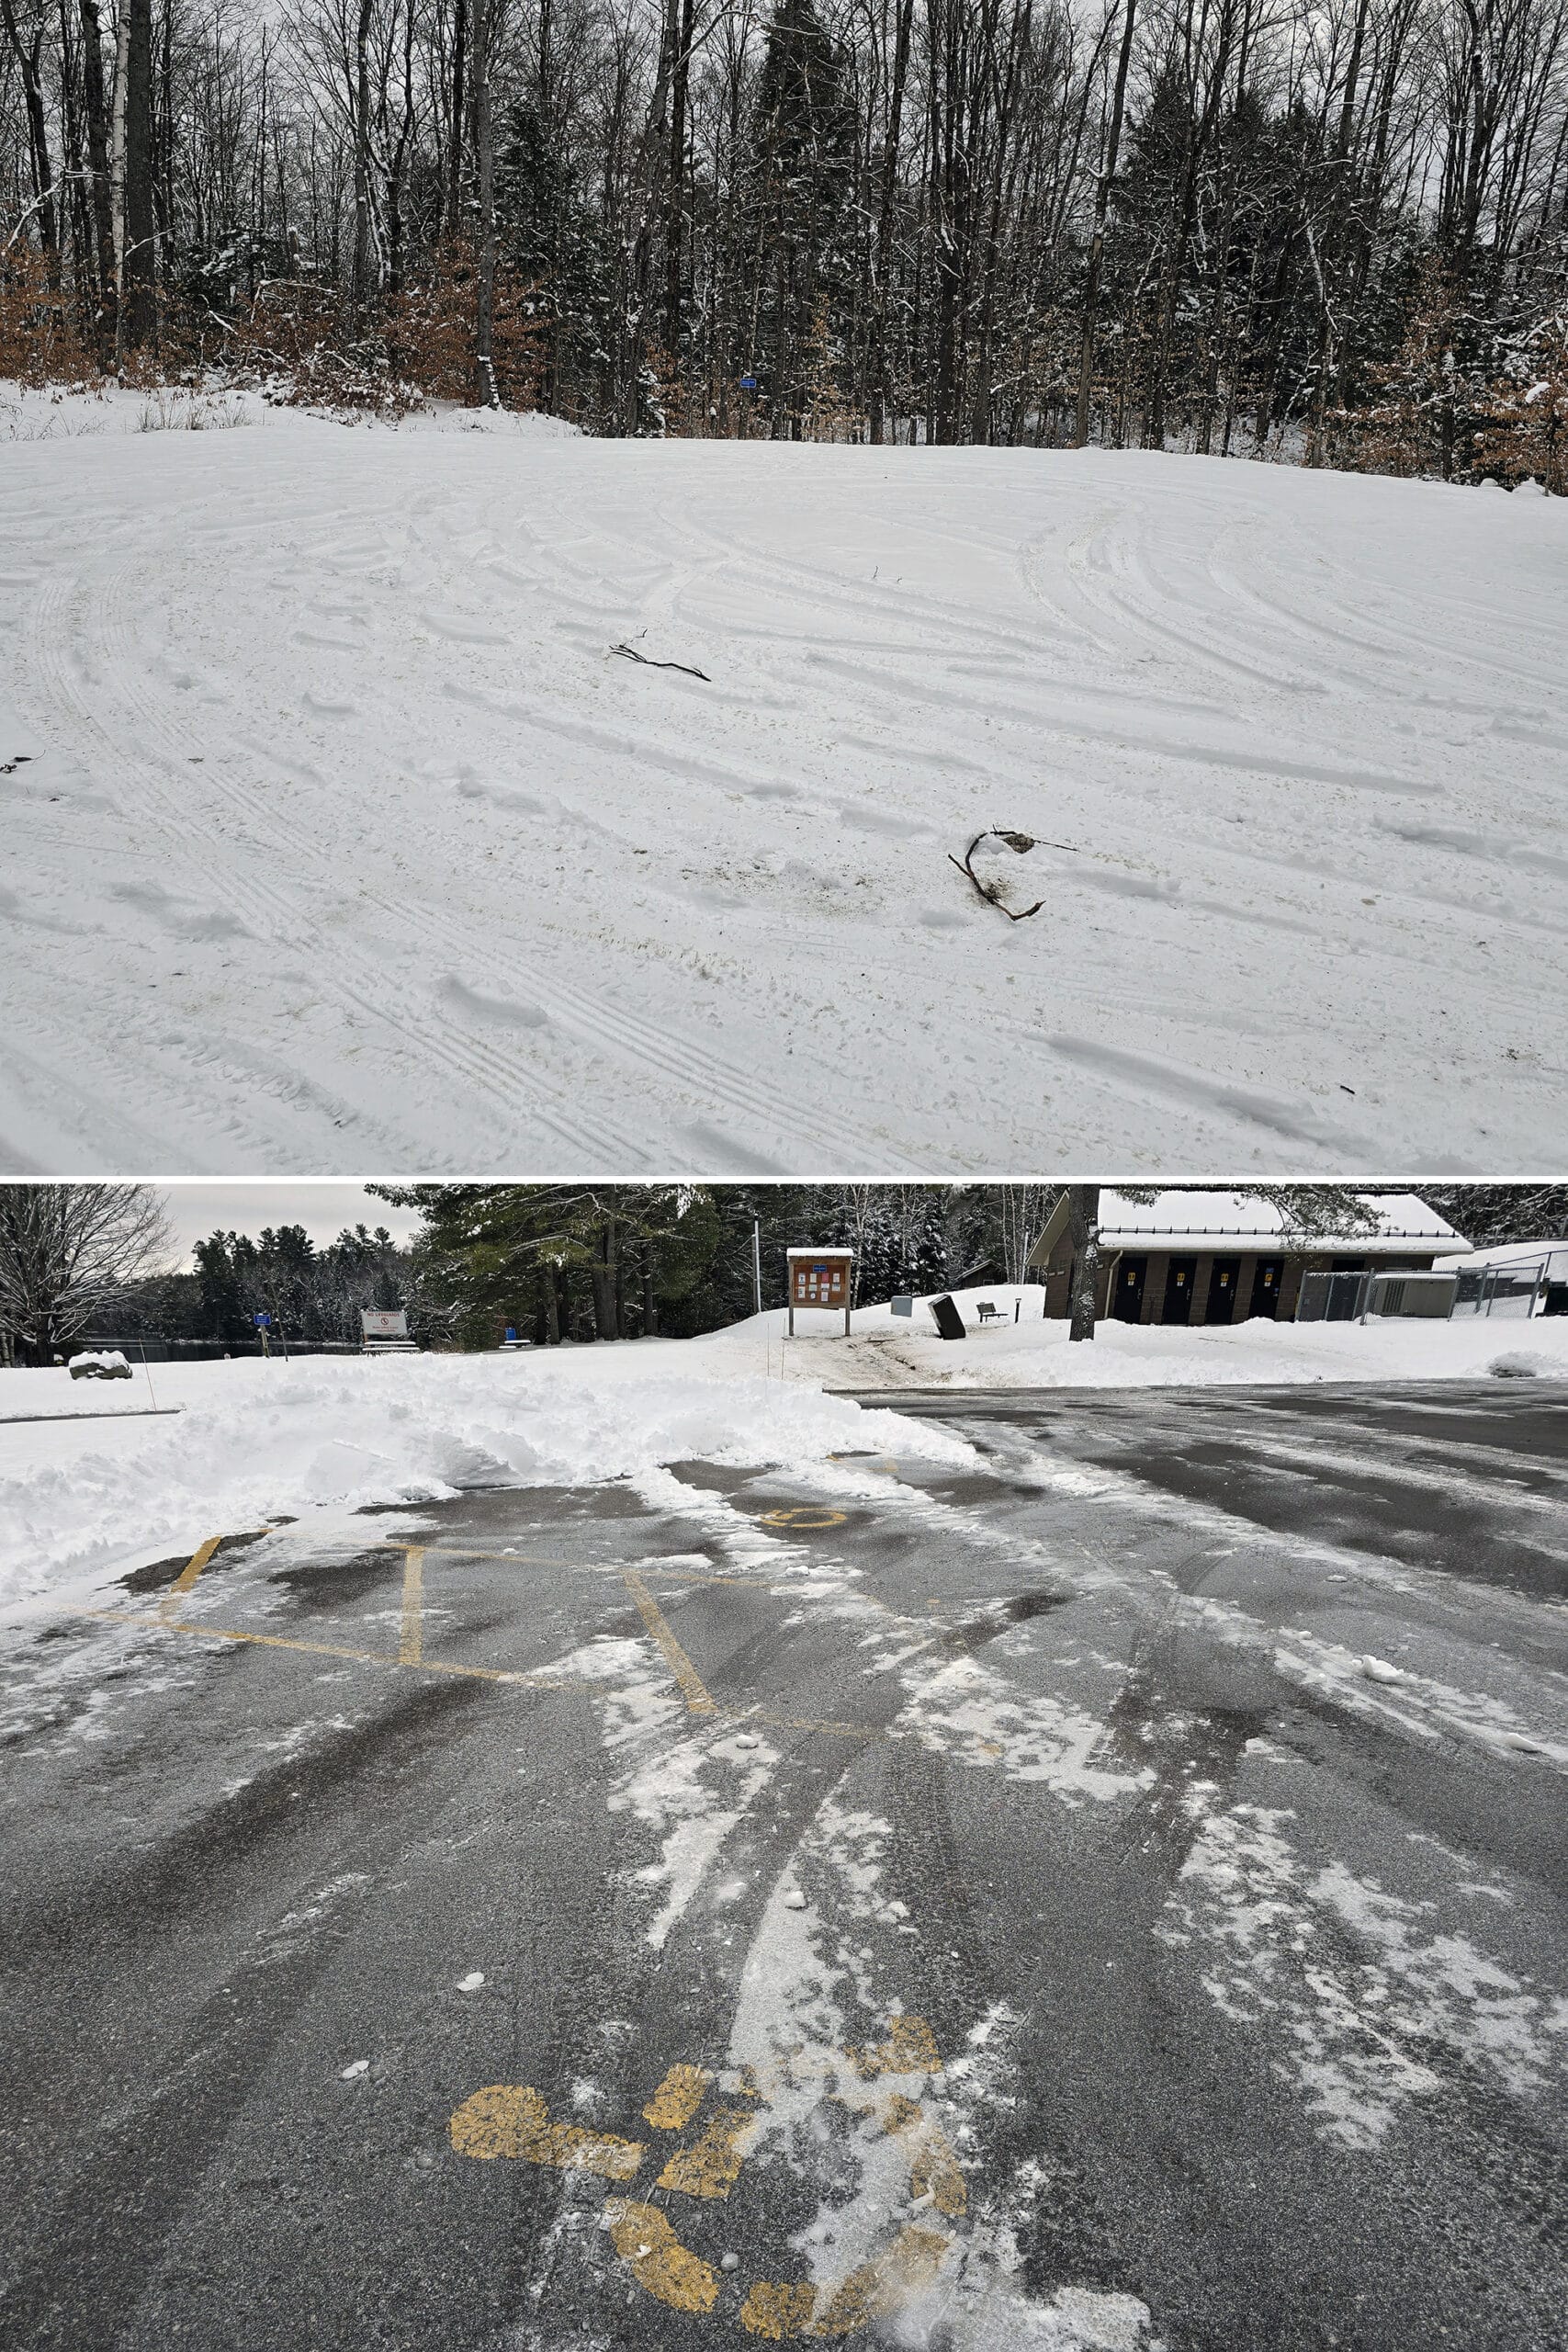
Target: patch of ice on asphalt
(694, 1793)
(857, 2097)
(1420, 1703)
(1359, 1988)
(965, 1710)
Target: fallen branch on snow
(632, 654)
(992, 891)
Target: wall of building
(1058, 1277)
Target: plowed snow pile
(257, 1440)
(342, 835)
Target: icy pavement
(342, 835)
(980, 1905)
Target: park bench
(989, 1313)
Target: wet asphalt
(1243, 1968)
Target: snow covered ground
(120, 1483)
(257, 1438)
(342, 839)
(888, 1350)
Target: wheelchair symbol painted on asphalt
(876, 2084)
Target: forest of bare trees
(1334, 231)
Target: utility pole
(757, 1262)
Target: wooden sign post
(819, 1278)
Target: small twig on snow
(632, 654)
(992, 891)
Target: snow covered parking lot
(342, 837)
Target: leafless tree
(67, 1252)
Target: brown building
(1225, 1256)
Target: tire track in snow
(627, 1039)
(364, 984)
(142, 1042)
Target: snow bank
(94, 412)
(887, 1351)
(256, 1439)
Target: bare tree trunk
(46, 210)
(484, 167)
(1083, 1229)
(96, 113)
(1332, 234)
(680, 16)
(361, 281)
(460, 114)
(604, 1276)
(1097, 241)
(136, 318)
(881, 391)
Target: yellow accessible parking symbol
(803, 1515)
(876, 2085)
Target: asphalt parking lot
(1111, 1894)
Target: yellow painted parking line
(512, 1559)
(697, 1698)
(204, 1632)
(806, 1722)
(189, 1574)
(803, 1516)
(587, 1568)
(411, 1646)
(692, 1689)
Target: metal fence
(1523, 1287)
(1333, 1298)
(1519, 1289)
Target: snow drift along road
(344, 840)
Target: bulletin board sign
(820, 1278)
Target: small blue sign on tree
(263, 1322)
(748, 383)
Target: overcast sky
(199, 1208)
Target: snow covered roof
(1507, 1253)
(1208, 1220)
(826, 1250)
